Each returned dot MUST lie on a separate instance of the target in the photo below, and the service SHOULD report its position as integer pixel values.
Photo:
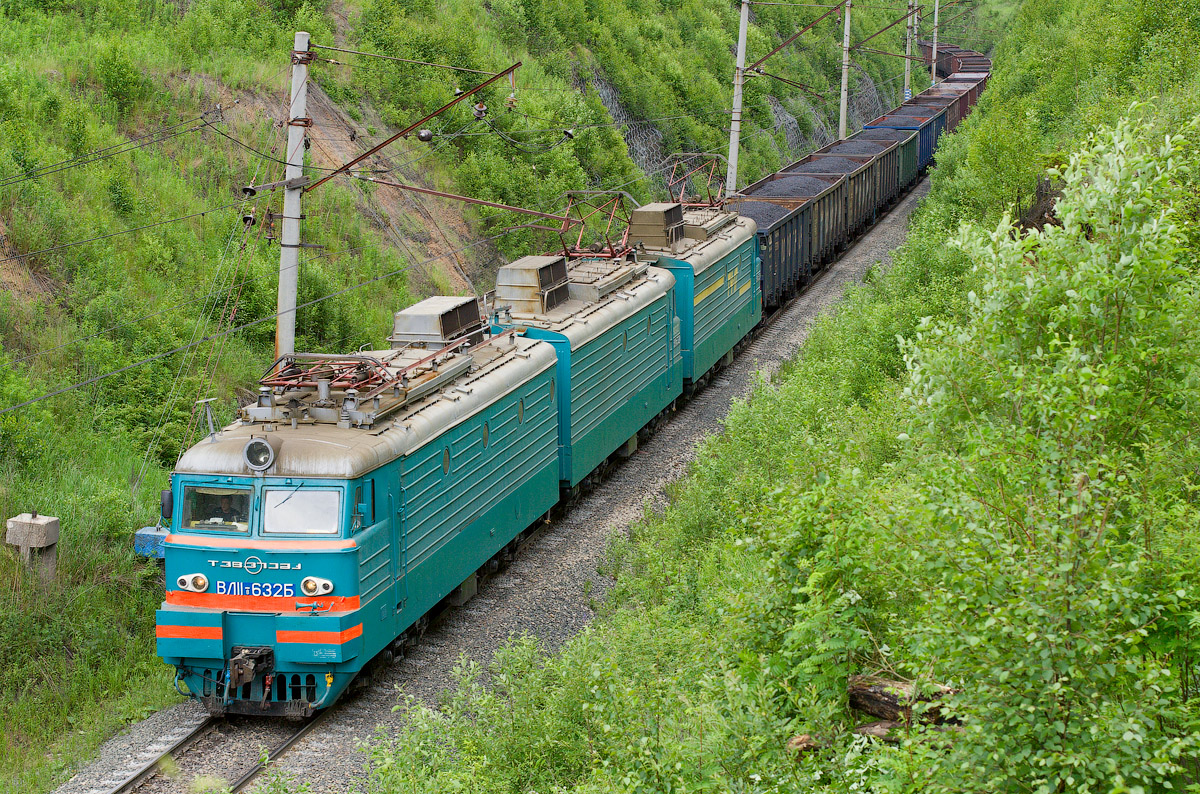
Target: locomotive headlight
(194, 582)
(312, 585)
(259, 454)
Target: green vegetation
(76, 658)
(668, 61)
(979, 472)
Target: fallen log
(893, 701)
(805, 743)
(893, 732)
(885, 730)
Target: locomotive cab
(262, 589)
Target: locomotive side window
(216, 509)
(301, 511)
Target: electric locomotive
(359, 492)
(354, 495)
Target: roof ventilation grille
(533, 284)
(437, 321)
(592, 279)
(658, 225)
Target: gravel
(764, 213)
(829, 165)
(542, 593)
(792, 186)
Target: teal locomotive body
(714, 256)
(331, 517)
(612, 324)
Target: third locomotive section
(360, 492)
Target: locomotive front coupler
(247, 663)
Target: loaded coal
(828, 165)
(857, 148)
(914, 110)
(885, 135)
(794, 185)
(764, 213)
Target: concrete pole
(908, 41)
(845, 76)
(289, 231)
(739, 77)
(933, 67)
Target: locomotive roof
(315, 449)
(583, 320)
(701, 254)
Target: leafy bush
(978, 472)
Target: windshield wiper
(289, 496)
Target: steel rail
(150, 768)
(273, 755)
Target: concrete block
(31, 531)
(37, 538)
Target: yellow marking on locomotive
(745, 287)
(716, 285)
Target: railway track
(166, 759)
(155, 765)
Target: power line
(125, 231)
(108, 152)
(215, 293)
(261, 320)
(273, 159)
(403, 60)
(616, 123)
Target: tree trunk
(893, 700)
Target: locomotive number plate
(256, 589)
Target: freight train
(359, 493)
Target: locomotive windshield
(301, 511)
(223, 509)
